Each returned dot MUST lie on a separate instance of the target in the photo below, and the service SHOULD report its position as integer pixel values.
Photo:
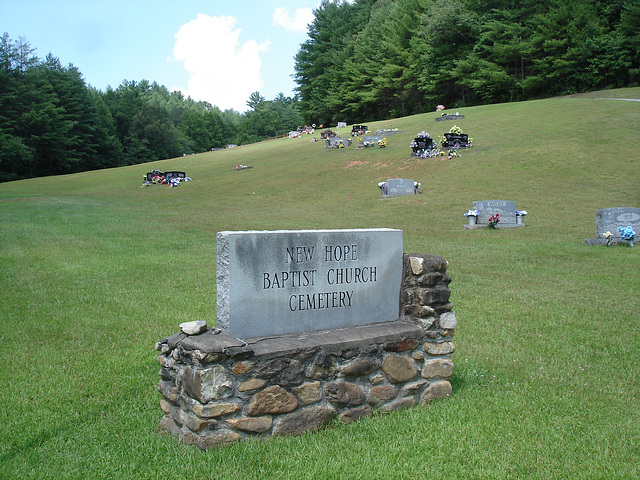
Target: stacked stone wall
(218, 389)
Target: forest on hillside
(375, 59)
(363, 60)
(52, 122)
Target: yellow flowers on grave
(382, 142)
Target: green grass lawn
(96, 269)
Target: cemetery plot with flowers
(423, 146)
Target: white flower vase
(519, 219)
(631, 243)
(472, 220)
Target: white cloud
(296, 23)
(222, 71)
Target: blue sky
(212, 50)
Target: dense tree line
(373, 59)
(52, 122)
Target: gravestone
(337, 142)
(421, 144)
(400, 186)
(446, 116)
(505, 208)
(370, 141)
(283, 282)
(456, 140)
(609, 219)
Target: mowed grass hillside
(96, 269)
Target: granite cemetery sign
(281, 282)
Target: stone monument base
(218, 389)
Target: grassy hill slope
(96, 269)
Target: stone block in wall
(437, 368)
(399, 368)
(207, 384)
(355, 414)
(271, 400)
(436, 390)
(343, 393)
(306, 420)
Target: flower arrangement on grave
(494, 220)
(607, 235)
(432, 153)
(521, 213)
(340, 144)
(423, 134)
(627, 234)
(471, 213)
(416, 187)
(453, 153)
(456, 130)
(383, 186)
(382, 142)
(439, 108)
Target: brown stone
(251, 384)
(272, 400)
(355, 414)
(438, 367)
(304, 420)
(215, 409)
(241, 368)
(343, 393)
(165, 406)
(436, 390)
(208, 441)
(398, 404)
(167, 423)
(399, 368)
(252, 424)
(362, 366)
(168, 390)
(413, 388)
(308, 393)
(443, 348)
(402, 345)
(195, 423)
(381, 394)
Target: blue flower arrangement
(628, 234)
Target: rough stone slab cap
(337, 340)
(208, 342)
